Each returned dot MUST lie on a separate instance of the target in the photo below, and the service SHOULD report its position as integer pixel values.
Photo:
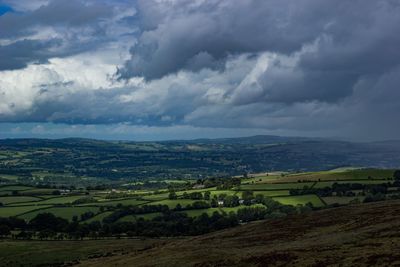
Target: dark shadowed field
(361, 235)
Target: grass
(63, 212)
(9, 177)
(14, 211)
(300, 200)
(6, 193)
(261, 179)
(282, 186)
(198, 212)
(272, 193)
(340, 174)
(156, 197)
(329, 184)
(17, 199)
(362, 235)
(172, 203)
(15, 188)
(60, 200)
(125, 202)
(55, 253)
(341, 200)
(99, 217)
(37, 191)
(226, 192)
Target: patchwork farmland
(291, 189)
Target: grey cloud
(220, 28)
(20, 53)
(350, 40)
(77, 24)
(68, 13)
(334, 67)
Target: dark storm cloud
(20, 53)
(64, 16)
(71, 13)
(348, 39)
(174, 34)
(312, 65)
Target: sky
(184, 69)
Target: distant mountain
(257, 139)
(116, 160)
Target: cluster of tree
(193, 195)
(152, 185)
(48, 226)
(222, 183)
(170, 222)
(84, 200)
(343, 189)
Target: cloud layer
(313, 67)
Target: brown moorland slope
(359, 235)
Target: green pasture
(63, 212)
(221, 210)
(37, 191)
(282, 186)
(9, 177)
(17, 199)
(99, 217)
(125, 202)
(156, 197)
(172, 203)
(272, 193)
(300, 200)
(15, 188)
(330, 183)
(261, 179)
(14, 211)
(60, 200)
(341, 174)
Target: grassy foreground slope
(360, 235)
(65, 253)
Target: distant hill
(116, 160)
(361, 235)
(257, 139)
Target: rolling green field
(210, 211)
(341, 174)
(172, 203)
(99, 217)
(30, 201)
(15, 188)
(8, 177)
(60, 200)
(300, 200)
(281, 186)
(15, 211)
(125, 202)
(156, 197)
(328, 184)
(63, 212)
(18, 199)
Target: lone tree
(172, 195)
(396, 175)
